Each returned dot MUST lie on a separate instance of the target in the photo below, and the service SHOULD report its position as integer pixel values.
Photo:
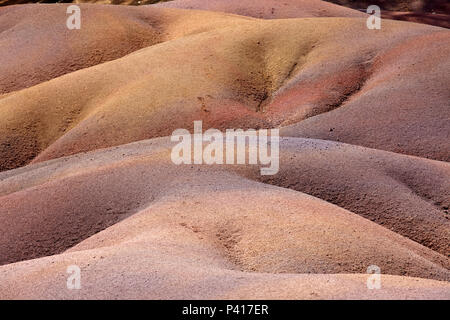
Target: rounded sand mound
(257, 239)
(36, 45)
(267, 9)
(254, 227)
(323, 77)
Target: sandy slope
(196, 216)
(399, 5)
(36, 45)
(161, 273)
(252, 222)
(124, 2)
(414, 11)
(435, 19)
(259, 73)
(267, 9)
(408, 195)
(435, 12)
(398, 103)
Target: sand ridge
(251, 78)
(133, 182)
(36, 45)
(196, 216)
(267, 9)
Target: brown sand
(36, 45)
(441, 6)
(267, 9)
(254, 76)
(413, 115)
(408, 195)
(189, 271)
(81, 195)
(200, 216)
(141, 227)
(434, 19)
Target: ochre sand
(259, 73)
(364, 174)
